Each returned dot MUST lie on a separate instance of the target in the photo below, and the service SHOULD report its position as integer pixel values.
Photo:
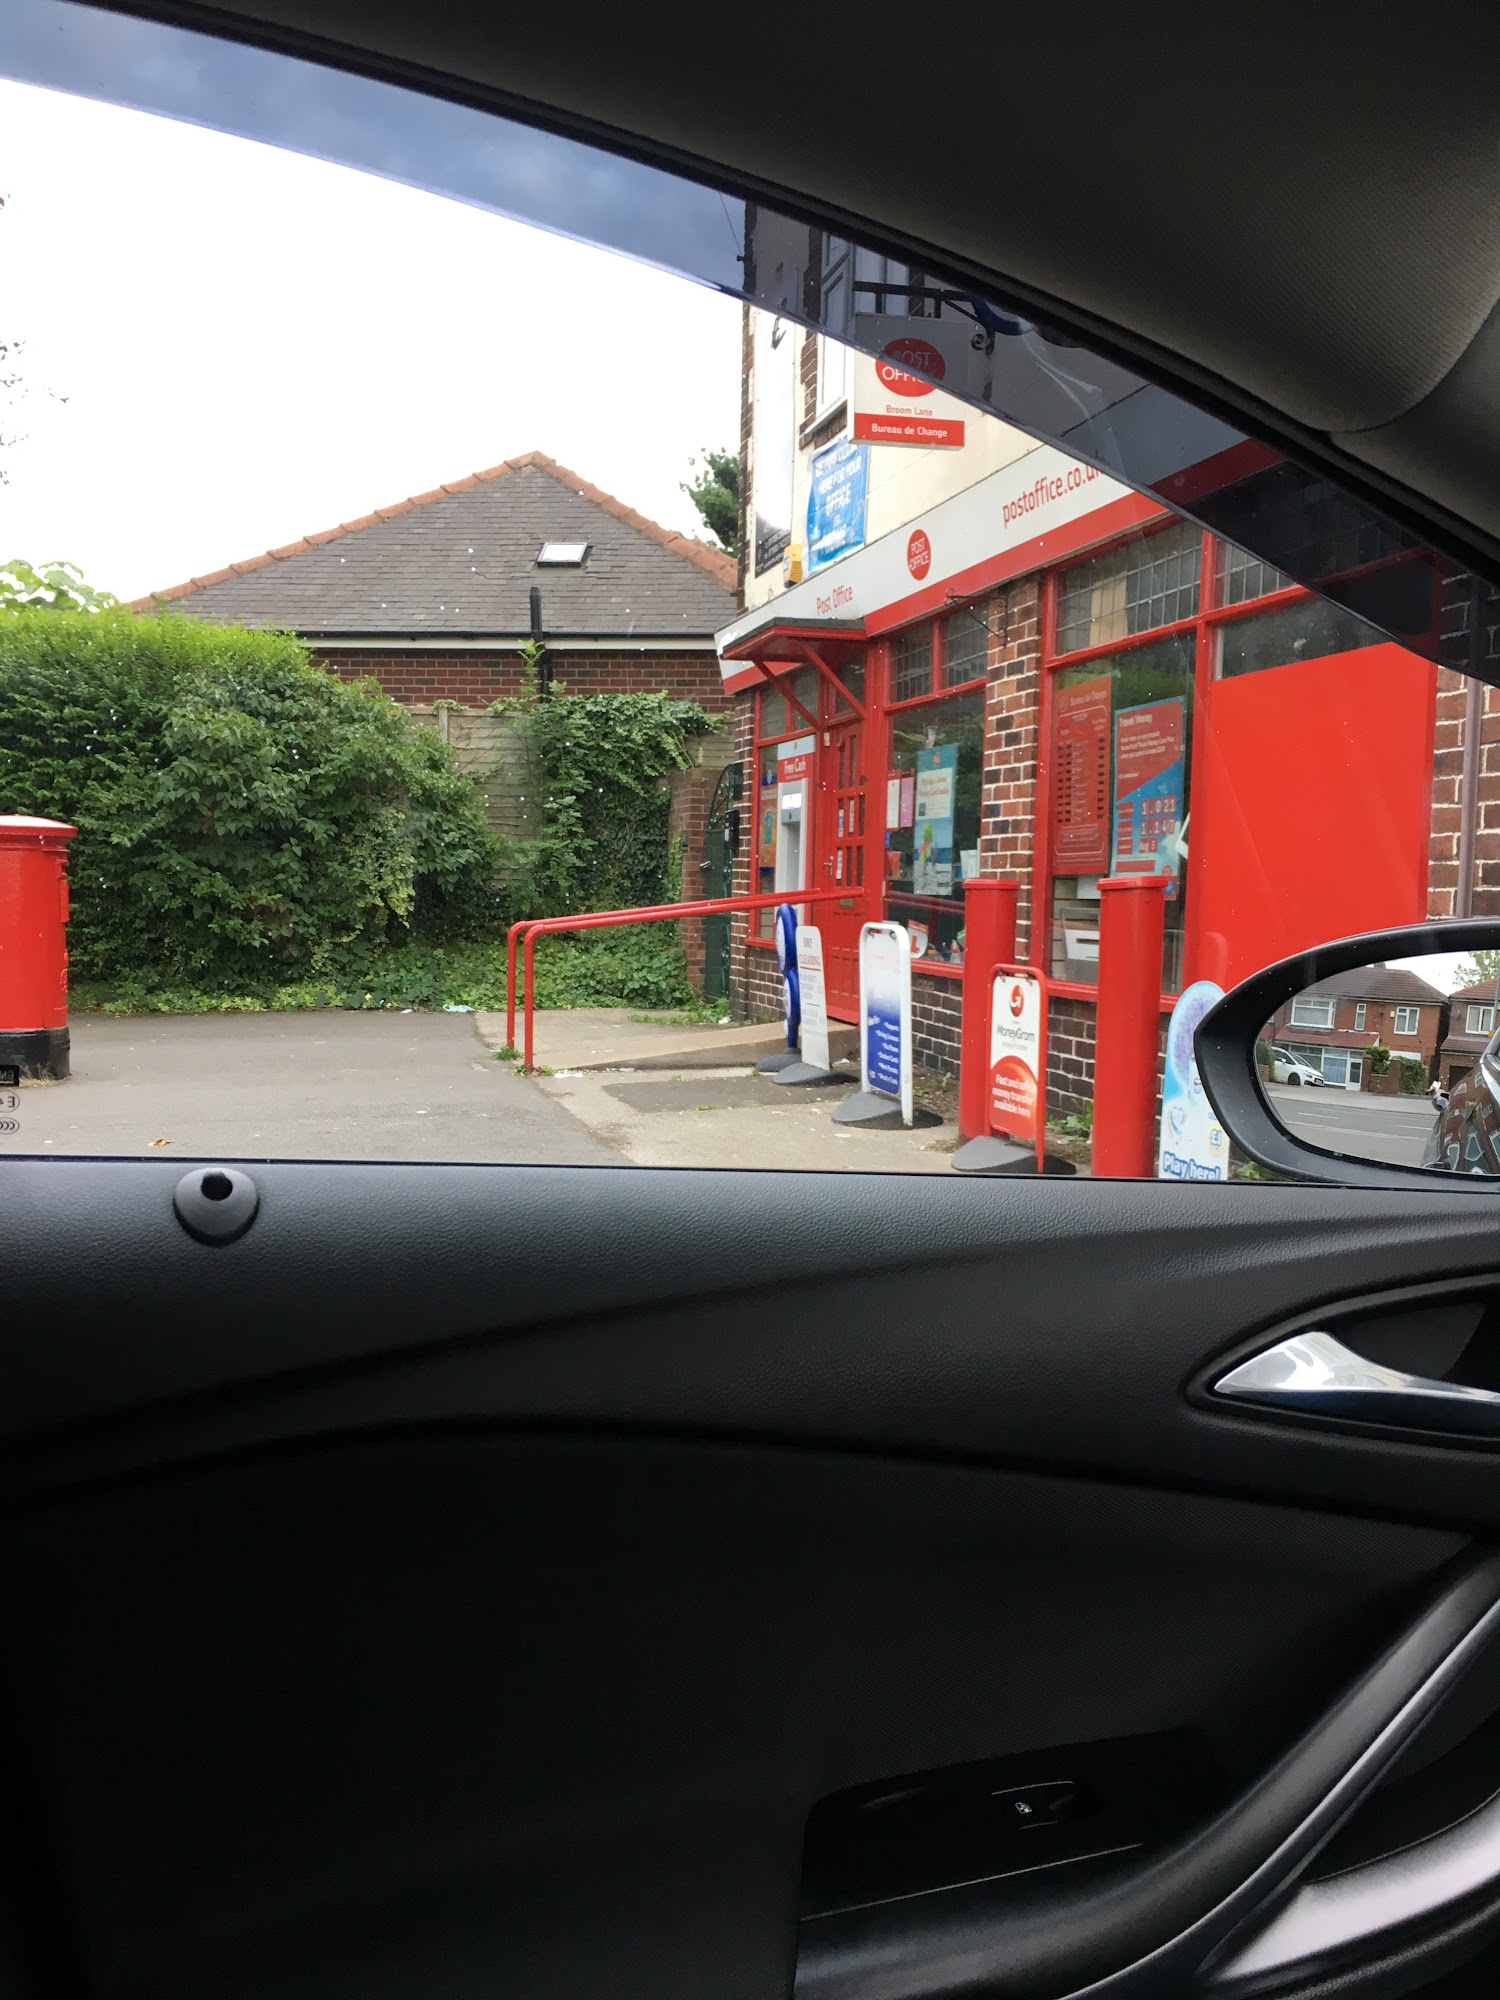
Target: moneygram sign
(896, 392)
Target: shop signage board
(814, 997)
(1194, 1145)
(895, 389)
(1150, 766)
(1080, 800)
(885, 1013)
(932, 850)
(1018, 1058)
(836, 502)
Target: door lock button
(1027, 1807)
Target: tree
(1479, 967)
(716, 494)
(56, 586)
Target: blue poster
(932, 826)
(836, 502)
(885, 994)
(1149, 771)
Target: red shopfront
(1159, 701)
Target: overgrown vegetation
(601, 759)
(56, 586)
(246, 820)
(255, 833)
(715, 492)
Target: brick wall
(937, 1013)
(475, 678)
(687, 821)
(1012, 708)
(1470, 629)
(1070, 1055)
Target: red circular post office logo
(904, 354)
(1017, 1001)
(918, 554)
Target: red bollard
(1127, 1032)
(34, 945)
(989, 940)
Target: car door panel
(477, 1578)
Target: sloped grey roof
(461, 560)
(1379, 982)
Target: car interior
(434, 1579)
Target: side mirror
(1372, 1062)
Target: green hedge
(246, 820)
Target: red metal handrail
(657, 913)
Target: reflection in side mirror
(1396, 1061)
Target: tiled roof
(1379, 982)
(1459, 1039)
(462, 560)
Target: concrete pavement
(585, 1038)
(329, 1085)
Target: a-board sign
(814, 996)
(786, 958)
(1194, 1145)
(1018, 1056)
(885, 1012)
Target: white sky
(254, 345)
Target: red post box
(34, 945)
(989, 940)
(1127, 1027)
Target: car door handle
(1194, 1912)
(1317, 1376)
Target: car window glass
(479, 530)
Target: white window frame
(1414, 1014)
(831, 391)
(1325, 1019)
(1485, 1023)
(1359, 1013)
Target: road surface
(329, 1085)
(1391, 1129)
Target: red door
(841, 858)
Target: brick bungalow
(1332, 1024)
(431, 596)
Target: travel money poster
(1150, 767)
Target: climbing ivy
(601, 758)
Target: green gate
(720, 840)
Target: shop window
(1309, 630)
(837, 308)
(911, 663)
(1311, 1013)
(1359, 1013)
(1122, 732)
(777, 715)
(932, 821)
(852, 677)
(965, 647)
(1135, 588)
(880, 286)
(1238, 578)
(1481, 1021)
(1407, 1019)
